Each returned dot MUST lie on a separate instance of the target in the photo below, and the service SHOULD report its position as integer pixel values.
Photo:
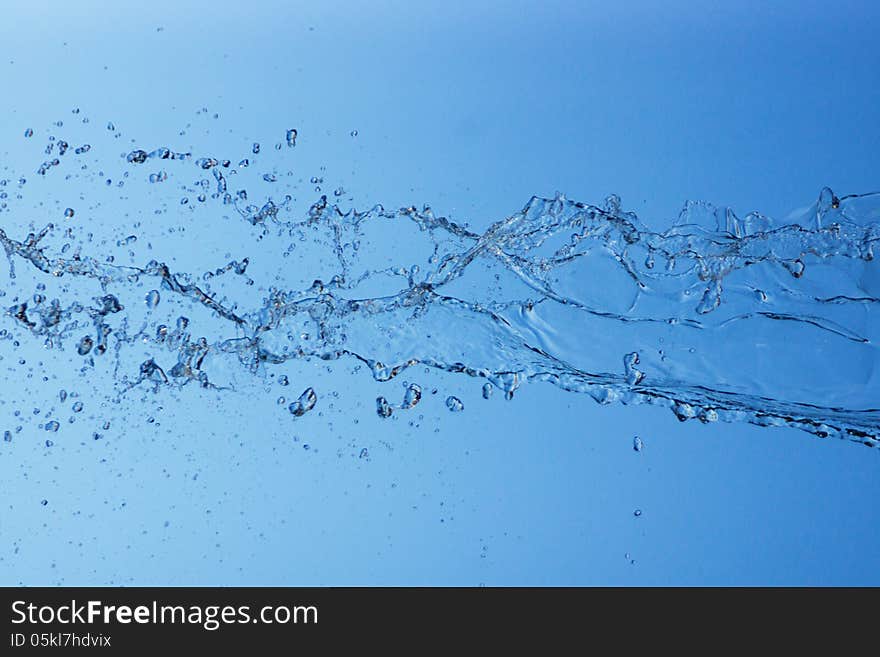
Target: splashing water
(716, 317)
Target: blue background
(473, 108)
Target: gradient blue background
(473, 108)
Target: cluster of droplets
(685, 270)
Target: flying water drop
(304, 404)
(412, 397)
(454, 404)
(383, 408)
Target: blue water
(284, 317)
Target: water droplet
(637, 513)
(161, 176)
(256, 148)
(137, 157)
(28, 133)
(44, 502)
(634, 376)
(291, 137)
(412, 397)
(354, 133)
(487, 390)
(454, 404)
(53, 426)
(364, 453)
(152, 298)
(77, 407)
(7, 436)
(637, 444)
(84, 346)
(305, 403)
(68, 213)
(383, 408)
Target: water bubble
(152, 298)
(487, 390)
(53, 426)
(383, 408)
(354, 133)
(62, 395)
(305, 403)
(256, 148)
(454, 404)
(637, 513)
(291, 137)
(77, 407)
(44, 502)
(637, 444)
(68, 213)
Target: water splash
(717, 318)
